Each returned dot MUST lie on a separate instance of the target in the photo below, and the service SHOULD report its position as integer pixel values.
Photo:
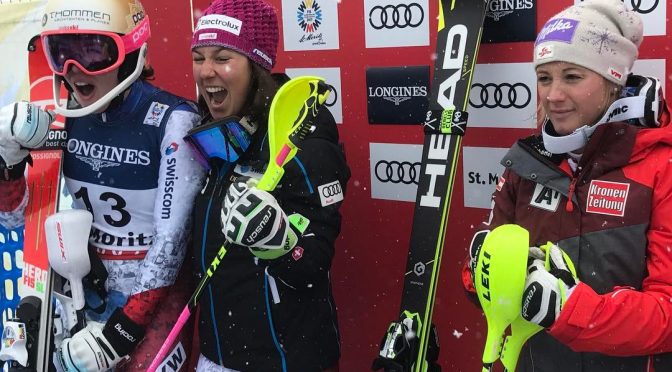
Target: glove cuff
(123, 333)
(14, 172)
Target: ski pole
(499, 281)
(67, 234)
(521, 331)
(284, 140)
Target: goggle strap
(136, 38)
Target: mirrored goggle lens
(93, 52)
(224, 140)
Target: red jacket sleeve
(627, 321)
(11, 194)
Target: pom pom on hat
(600, 35)
(249, 27)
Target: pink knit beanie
(249, 27)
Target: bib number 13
(116, 202)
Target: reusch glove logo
(123, 333)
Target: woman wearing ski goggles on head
(259, 313)
(125, 162)
(94, 52)
(95, 63)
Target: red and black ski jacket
(613, 216)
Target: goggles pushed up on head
(224, 139)
(92, 51)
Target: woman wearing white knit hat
(597, 183)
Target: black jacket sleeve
(313, 186)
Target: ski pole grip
(67, 235)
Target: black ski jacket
(278, 315)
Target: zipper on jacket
(221, 173)
(569, 207)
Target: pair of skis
(44, 188)
(408, 344)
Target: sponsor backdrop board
(332, 75)
(654, 68)
(397, 95)
(503, 95)
(396, 23)
(372, 248)
(481, 172)
(312, 26)
(508, 21)
(395, 170)
(653, 13)
(340, 41)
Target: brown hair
(261, 95)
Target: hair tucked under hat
(601, 35)
(246, 26)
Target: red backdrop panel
(371, 252)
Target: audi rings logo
(502, 95)
(637, 6)
(397, 172)
(396, 16)
(330, 193)
(331, 190)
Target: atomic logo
(172, 148)
(309, 15)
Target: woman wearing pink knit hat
(261, 314)
(596, 184)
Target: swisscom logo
(172, 148)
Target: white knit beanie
(600, 35)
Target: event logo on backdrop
(310, 24)
(508, 21)
(395, 171)
(481, 171)
(503, 95)
(332, 76)
(395, 23)
(653, 13)
(397, 95)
